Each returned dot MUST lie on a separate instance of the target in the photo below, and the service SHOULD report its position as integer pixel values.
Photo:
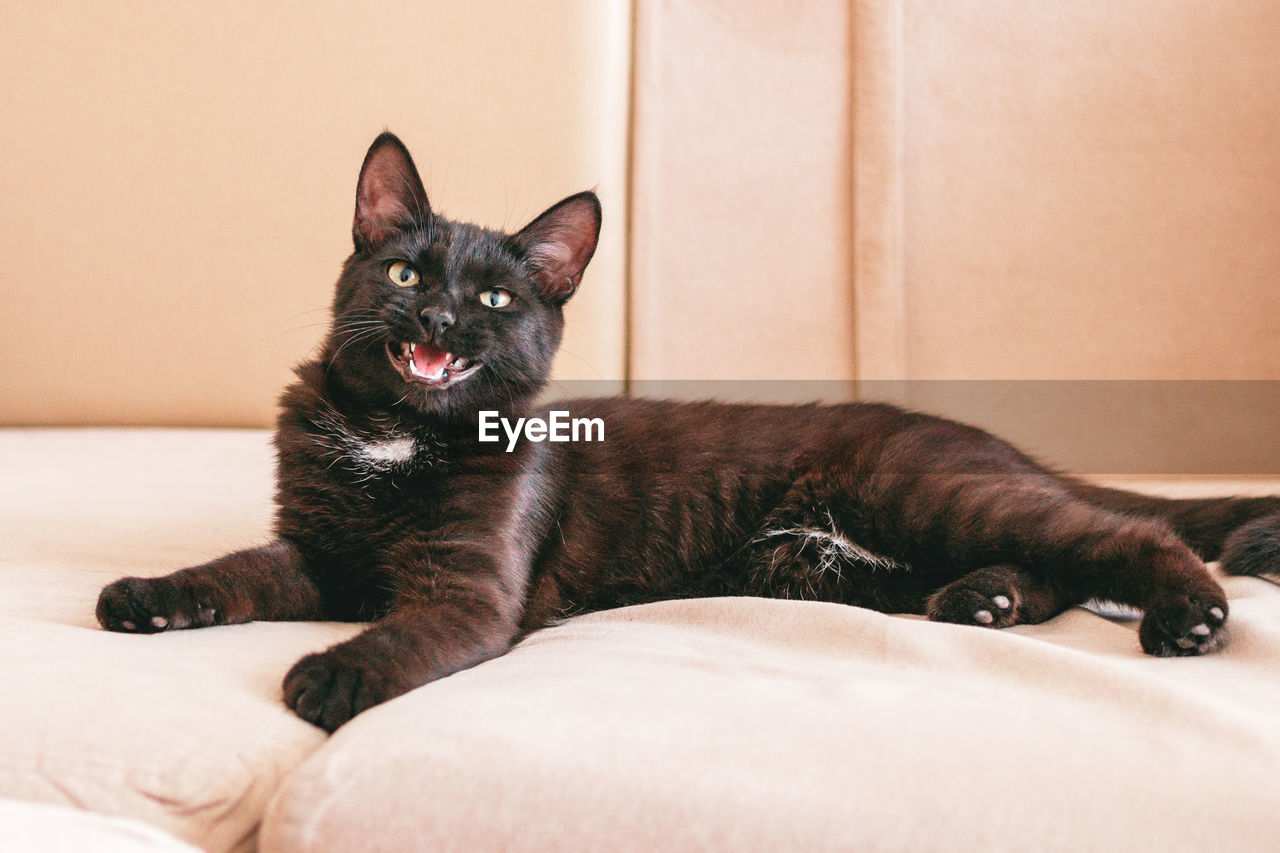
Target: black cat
(390, 508)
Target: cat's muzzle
(426, 364)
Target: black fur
(1253, 548)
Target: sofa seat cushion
(38, 826)
(183, 730)
(726, 723)
(749, 724)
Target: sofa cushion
(37, 826)
(747, 724)
(718, 723)
(186, 730)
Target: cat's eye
(496, 298)
(402, 274)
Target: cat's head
(446, 317)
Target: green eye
(496, 298)
(402, 274)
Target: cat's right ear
(389, 195)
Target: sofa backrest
(179, 187)
(855, 190)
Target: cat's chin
(436, 371)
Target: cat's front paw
(1185, 625)
(149, 605)
(331, 687)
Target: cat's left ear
(389, 195)
(559, 244)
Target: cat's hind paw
(984, 601)
(1185, 625)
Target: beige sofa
(726, 724)
(854, 189)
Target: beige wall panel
(1091, 189)
(879, 297)
(742, 191)
(178, 181)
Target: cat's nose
(436, 320)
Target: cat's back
(678, 434)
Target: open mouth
(428, 365)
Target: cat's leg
(433, 630)
(258, 583)
(998, 597)
(802, 551)
(1184, 608)
(1087, 552)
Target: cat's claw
(1185, 625)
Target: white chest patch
(389, 453)
(379, 446)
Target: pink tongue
(429, 360)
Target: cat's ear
(389, 195)
(559, 244)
